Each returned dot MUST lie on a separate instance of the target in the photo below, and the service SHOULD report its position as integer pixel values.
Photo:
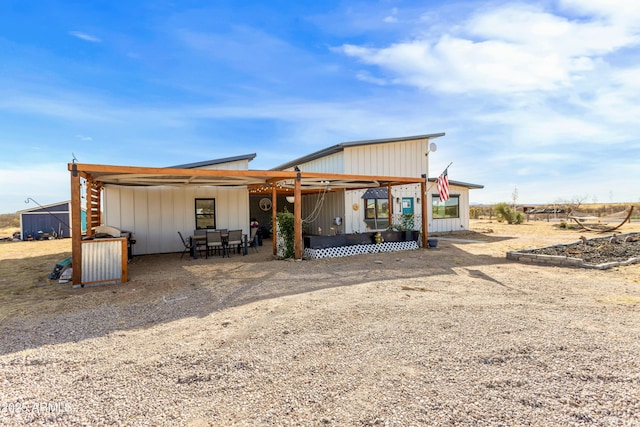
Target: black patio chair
(187, 245)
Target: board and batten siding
(320, 210)
(333, 163)
(156, 214)
(406, 158)
(444, 225)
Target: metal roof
(376, 193)
(460, 184)
(204, 163)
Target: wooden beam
(76, 229)
(108, 173)
(129, 170)
(297, 219)
(390, 201)
(274, 219)
(424, 202)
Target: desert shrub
(505, 213)
(9, 220)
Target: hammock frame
(601, 229)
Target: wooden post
(125, 261)
(390, 202)
(274, 218)
(297, 218)
(425, 212)
(76, 227)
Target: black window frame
(448, 207)
(205, 220)
(378, 208)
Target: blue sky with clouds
(541, 96)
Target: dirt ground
(456, 335)
(24, 266)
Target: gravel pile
(421, 338)
(598, 250)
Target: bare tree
(576, 201)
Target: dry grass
(24, 266)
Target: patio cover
(271, 182)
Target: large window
(205, 213)
(376, 213)
(447, 209)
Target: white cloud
(504, 50)
(85, 36)
(365, 76)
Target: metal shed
(44, 222)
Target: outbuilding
(48, 221)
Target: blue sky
(541, 96)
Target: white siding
(156, 214)
(237, 165)
(406, 158)
(354, 218)
(450, 224)
(333, 163)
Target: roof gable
(340, 147)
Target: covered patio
(92, 178)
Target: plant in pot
(406, 223)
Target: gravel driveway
(451, 336)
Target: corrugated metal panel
(102, 261)
(318, 213)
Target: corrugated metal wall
(156, 214)
(102, 261)
(326, 208)
(56, 218)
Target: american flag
(443, 186)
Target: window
(205, 213)
(447, 209)
(377, 209)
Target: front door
(407, 205)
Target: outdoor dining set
(218, 241)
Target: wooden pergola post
(297, 217)
(390, 202)
(76, 227)
(425, 212)
(274, 218)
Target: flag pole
(439, 175)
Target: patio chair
(186, 243)
(201, 243)
(214, 241)
(235, 239)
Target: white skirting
(342, 251)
